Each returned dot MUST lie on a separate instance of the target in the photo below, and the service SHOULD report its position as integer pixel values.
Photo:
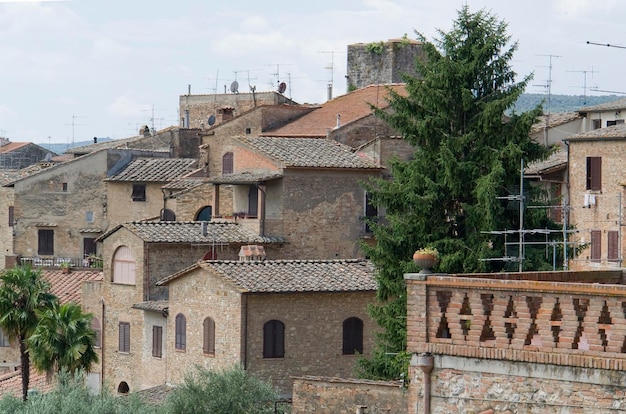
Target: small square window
(248, 131)
(64, 187)
(139, 192)
(89, 216)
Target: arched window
(352, 336)
(181, 332)
(95, 325)
(205, 214)
(274, 339)
(227, 163)
(208, 343)
(253, 201)
(124, 266)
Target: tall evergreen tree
(466, 156)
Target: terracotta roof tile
(219, 232)
(245, 177)
(155, 169)
(152, 305)
(12, 146)
(310, 152)
(351, 107)
(155, 395)
(292, 275)
(556, 160)
(554, 120)
(607, 106)
(67, 286)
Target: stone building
(18, 155)
(55, 214)
(138, 255)
(276, 318)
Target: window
(89, 246)
(95, 326)
(352, 336)
(594, 173)
(4, 339)
(274, 339)
(371, 211)
(253, 201)
(596, 245)
(208, 328)
(46, 242)
(64, 187)
(613, 246)
(181, 332)
(205, 214)
(615, 122)
(139, 192)
(11, 216)
(124, 337)
(124, 266)
(248, 131)
(227, 163)
(157, 341)
(123, 388)
(596, 123)
(89, 216)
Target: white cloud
(127, 106)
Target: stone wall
(335, 395)
(468, 385)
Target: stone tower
(381, 62)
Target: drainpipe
(102, 329)
(426, 362)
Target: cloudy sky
(71, 70)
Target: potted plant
(426, 258)
(65, 267)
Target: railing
(60, 262)
(563, 323)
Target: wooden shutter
(594, 173)
(46, 242)
(124, 337)
(596, 245)
(181, 332)
(352, 336)
(209, 336)
(273, 339)
(613, 246)
(227, 163)
(157, 341)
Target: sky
(77, 69)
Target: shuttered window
(157, 341)
(613, 246)
(46, 242)
(181, 332)
(596, 245)
(208, 328)
(274, 339)
(594, 173)
(124, 337)
(227, 163)
(352, 336)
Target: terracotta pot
(425, 260)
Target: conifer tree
(467, 154)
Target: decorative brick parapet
(542, 319)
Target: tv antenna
(74, 125)
(276, 74)
(584, 72)
(152, 119)
(331, 70)
(606, 44)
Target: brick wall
(334, 395)
(573, 331)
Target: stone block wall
(334, 395)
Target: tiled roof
(155, 395)
(155, 169)
(152, 305)
(245, 177)
(67, 286)
(184, 183)
(607, 106)
(12, 146)
(554, 120)
(191, 232)
(557, 159)
(292, 275)
(350, 107)
(614, 131)
(310, 152)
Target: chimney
(338, 120)
(95, 140)
(251, 253)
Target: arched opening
(123, 388)
(205, 214)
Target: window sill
(209, 354)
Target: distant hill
(560, 103)
(61, 148)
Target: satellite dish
(282, 87)
(211, 120)
(234, 87)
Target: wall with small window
(127, 201)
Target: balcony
(49, 262)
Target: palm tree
(63, 340)
(23, 292)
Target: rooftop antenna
(74, 124)
(584, 72)
(152, 119)
(605, 44)
(549, 91)
(276, 74)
